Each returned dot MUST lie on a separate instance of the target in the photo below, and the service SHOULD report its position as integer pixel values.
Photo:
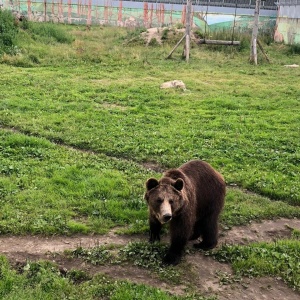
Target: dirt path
(206, 271)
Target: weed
(150, 256)
(8, 32)
(280, 259)
(78, 276)
(44, 280)
(165, 33)
(144, 255)
(96, 256)
(153, 42)
(296, 234)
(294, 49)
(227, 279)
(49, 32)
(133, 37)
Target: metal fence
(100, 12)
(288, 2)
(150, 13)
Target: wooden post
(263, 51)
(175, 47)
(188, 29)
(45, 10)
(187, 35)
(253, 50)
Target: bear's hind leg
(209, 234)
(197, 231)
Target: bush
(294, 49)
(8, 32)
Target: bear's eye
(171, 202)
(159, 200)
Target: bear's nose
(167, 217)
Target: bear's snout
(167, 218)
(165, 214)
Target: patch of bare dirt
(214, 278)
(206, 273)
(153, 167)
(152, 33)
(257, 232)
(156, 34)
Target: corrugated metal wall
(288, 22)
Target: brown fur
(190, 198)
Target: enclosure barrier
(150, 13)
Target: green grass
(81, 112)
(8, 32)
(140, 254)
(243, 119)
(49, 189)
(278, 259)
(44, 280)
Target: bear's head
(164, 198)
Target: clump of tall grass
(49, 33)
(8, 32)
(294, 49)
(19, 37)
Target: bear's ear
(178, 185)
(151, 183)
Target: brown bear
(190, 199)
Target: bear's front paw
(154, 237)
(172, 259)
(205, 246)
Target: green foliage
(78, 276)
(141, 254)
(153, 42)
(8, 32)
(81, 121)
(114, 108)
(44, 280)
(278, 259)
(47, 189)
(40, 280)
(165, 33)
(242, 208)
(97, 256)
(294, 49)
(104, 288)
(49, 33)
(150, 256)
(296, 234)
(133, 37)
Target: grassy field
(82, 115)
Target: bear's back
(207, 184)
